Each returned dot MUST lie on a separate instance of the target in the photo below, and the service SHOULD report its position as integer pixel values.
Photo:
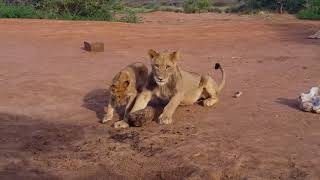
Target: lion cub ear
(175, 56)
(153, 54)
(124, 79)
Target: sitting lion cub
(178, 87)
(124, 88)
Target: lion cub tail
(223, 81)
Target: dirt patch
(178, 173)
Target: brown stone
(94, 46)
(142, 117)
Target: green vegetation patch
(100, 10)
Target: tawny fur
(178, 87)
(124, 88)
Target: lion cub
(124, 88)
(177, 87)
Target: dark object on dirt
(315, 36)
(142, 117)
(94, 46)
(237, 94)
(217, 66)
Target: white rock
(310, 101)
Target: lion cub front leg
(142, 101)
(129, 106)
(109, 111)
(124, 123)
(170, 108)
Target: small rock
(237, 94)
(94, 46)
(310, 102)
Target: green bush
(130, 17)
(215, 10)
(291, 6)
(171, 9)
(153, 5)
(312, 10)
(237, 8)
(102, 10)
(17, 11)
(86, 9)
(197, 6)
(294, 6)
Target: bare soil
(53, 92)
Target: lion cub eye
(167, 67)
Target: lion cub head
(119, 87)
(164, 65)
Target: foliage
(312, 10)
(196, 6)
(215, 10)
(95, 9)
(130, 17)
(16, 11)
(171, 9)
(294, 6)
(102, 10)
(153, 5)
(291, 6)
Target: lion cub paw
(165, 120)
(210, 102)
(120, 124)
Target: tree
(281, 4)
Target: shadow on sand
(24, 138)
(96, 100)
(292, 103)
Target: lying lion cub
(124, 88)
(178, 87)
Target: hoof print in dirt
(94, 46)
(142, 117)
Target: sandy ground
(53, 92)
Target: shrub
(17, 11)
(241, 7)
(215, 10)
(171, 9)
(294, 6)
(312, 10)
(97, 9)
(153, 5)
(291, 6)
(102, 10)
(130, 17)
(196, 6)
